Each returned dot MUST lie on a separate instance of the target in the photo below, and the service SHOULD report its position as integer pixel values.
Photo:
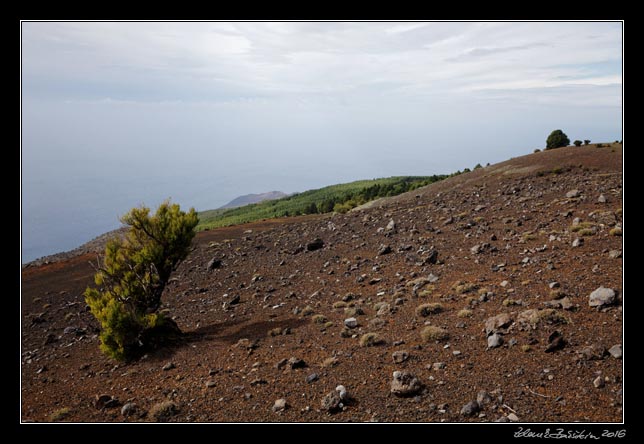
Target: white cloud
(187, 60)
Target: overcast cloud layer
(115, 114)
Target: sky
(116, 114)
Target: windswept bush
(133, 275)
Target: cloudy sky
(115, 114)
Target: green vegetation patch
(339, 198)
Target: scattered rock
(598, 382)
(592, 353)
(105, 402)
(163, 411)
(438, 365)
(573, 194)
(70, 330)
(295, 363)
(384, 249)
(578, 242)
(342, 391)
(280, 405)
(213, 264)
(400, 356)
(494, 323)
(602, 296)
(483, 398)
(316, 244)
(312, 378)
(495, 340)
(258, 381)
(615, 254)
(332, 402)
(281, 364)
(351, 322)
(616, 351)
(169, 366)
(554, 285)
(432, 258)
(555, 342)
(391, 226)
(512, 417)
(405, 384)
(601, 198)
(129, 409)
(470, 408)
(211, 384)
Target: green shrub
(427, 309)
(577, 142)
(133, 275)
(369, 340)
(586, 142)
(319, 319)
(60, 414)
(557, 139)
(465, 313)
(433, 333)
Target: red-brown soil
(226, 369)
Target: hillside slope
(495, 249)
(253, 198)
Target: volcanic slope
(502, 259)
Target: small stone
(578, 242)
(213, 264)
(391, 226)
(598, 382)
(312, 378)
(316, 244)
(470, 408)
(476, 249)
(512, 417)
(616, 351)
(615, 254)
(399, 356)
(342, 391)
(573, 194)
(211, 384)
(280, 405)
(384, 249)
(494, 323)
(504, 284)
(405, 384)
(295, 363)
(601, 198)
(483, 398)
(602, 296)
(495, 340)
(162, 411)
(592, 353)
(105, 402)
(438, 365)
(556, 342)
(70, 330)
(331, 402)
(129, 409)
(554, 285)
(169, 366)
(351, 322)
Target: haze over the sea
(119, 114)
